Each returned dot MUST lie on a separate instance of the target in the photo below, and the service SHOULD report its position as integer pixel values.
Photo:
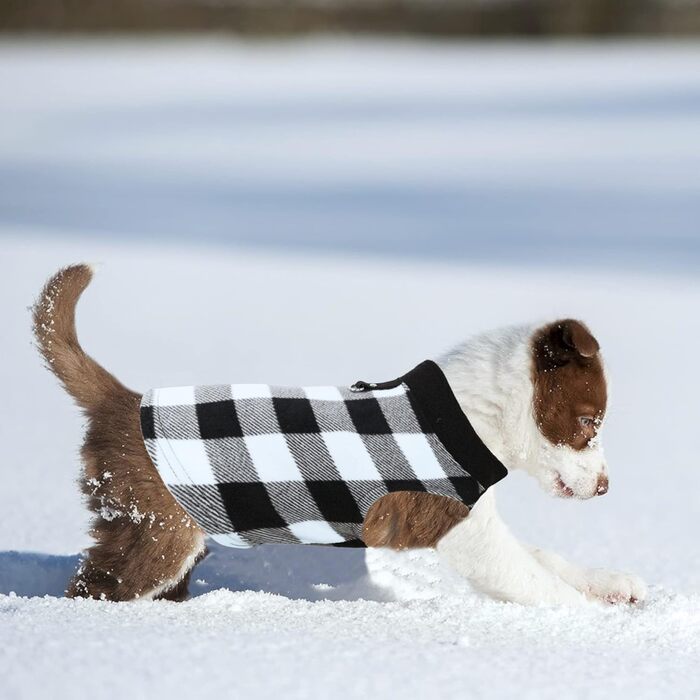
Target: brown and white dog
(536, 396)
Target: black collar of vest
(450, 424)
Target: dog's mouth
(561, 489)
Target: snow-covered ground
(473, 152)
(257, 184)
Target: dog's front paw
(614, 587)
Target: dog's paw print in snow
(615, 587)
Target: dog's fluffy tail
(54, 329)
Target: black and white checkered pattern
(254, 464)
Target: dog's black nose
(602, 485)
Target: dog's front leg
(482, 549)
(597, 584)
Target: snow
(261, 645)
(344, 211)
(278, 144)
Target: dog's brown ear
(561, 342)
(577, 336)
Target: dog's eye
(587, 421)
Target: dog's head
(569, 400)
(537, 396)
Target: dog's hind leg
(145, 543)
(180, 591)
(138, 561)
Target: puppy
(531, 398)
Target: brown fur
(411, 519)
(143, 539)
(569, 383)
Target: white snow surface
(313, 622)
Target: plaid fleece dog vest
(254, 464)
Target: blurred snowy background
(566, 154)
(344, 208)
